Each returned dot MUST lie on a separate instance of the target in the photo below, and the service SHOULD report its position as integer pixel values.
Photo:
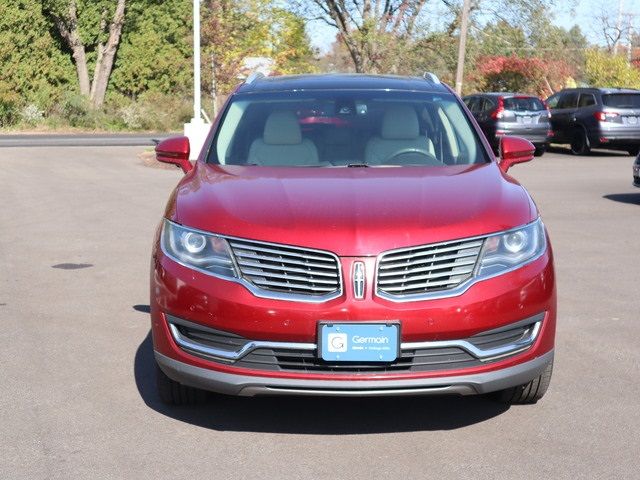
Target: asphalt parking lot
(78, 395)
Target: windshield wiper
(358, 165)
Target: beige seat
(282, 143)
(400, 132)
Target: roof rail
(431, 77)
(254, 76)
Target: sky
(566, 14)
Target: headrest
(282, 128)
(400, 122)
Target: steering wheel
(421, 157)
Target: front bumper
(246, 385)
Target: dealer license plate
(359, 342)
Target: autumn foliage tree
(521, 74)
(233, 31)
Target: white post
(197, 129)
(196, 59)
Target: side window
(488, 105)
(472, 104)
(568, 100)
(552, 101)
(586, 100)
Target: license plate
(632, 120)
(526, 120)
(359, 342)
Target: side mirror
(175, 150)
(514, 150)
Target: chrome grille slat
(250, 248)
(427, 268)
(424, 277)
(282, 260)
(440, 266)
(262, 266)
(290, 272)
(423, 285)
(261, 273)
(410, 263)
(394, 265)
(433, 251)
(270, 283)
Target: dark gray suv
(589, 118)
(500, 114)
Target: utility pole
(462, 45)
(618, 26)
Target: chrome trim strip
(464, 286)
(481, 354)
(484, 355)
(187, 344)
(255, 290)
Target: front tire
(528, 393)
(174, 393)
(580, 144)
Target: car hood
(350, 211)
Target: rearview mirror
(514, 150)
(175, 150)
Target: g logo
(337, 342)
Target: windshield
(523, 104)
(345, 128)
(622, 100)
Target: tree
(94, 25)
(155, 52)
(291, 47)
(612, 30)
(367, 27)
(34, 70)
(604, 70)
(233, 31)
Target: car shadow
(565, 149)
(631, 198)
(315, 415)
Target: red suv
(350, 235)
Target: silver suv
(501, 114)
(589, 118)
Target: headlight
(199, 250)
(512, 249)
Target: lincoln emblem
(358, 280)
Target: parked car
(636, 172)
(500, 114)
(589, 118)
(386, 254)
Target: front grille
(428, 268)
(285, 269)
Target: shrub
(9, 103)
